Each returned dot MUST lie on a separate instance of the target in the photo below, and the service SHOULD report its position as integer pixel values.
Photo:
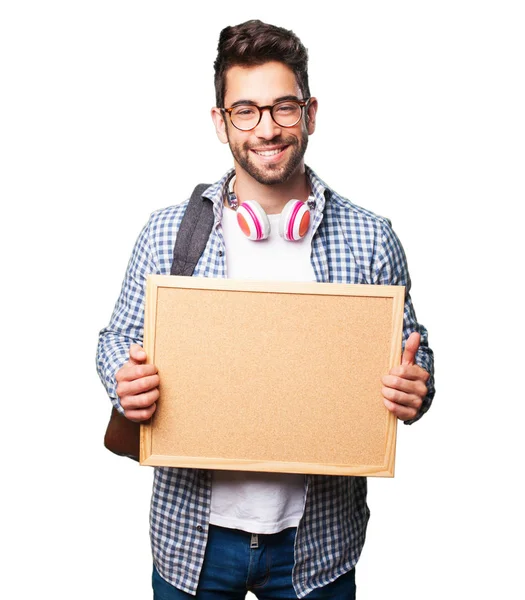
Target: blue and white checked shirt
(350, 245)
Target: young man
(219, 534)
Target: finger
(138, 416)
(140, 401)
(132, 387)
(137, 356)
(409, 386)
(402, 398)
(411, 348)
(131, 372)
(401, 412)
(413, 372)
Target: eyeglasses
(285, 113)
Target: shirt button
(221, 252)
(200, 528)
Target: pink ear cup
(295, 220)
(253, 220)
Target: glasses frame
(302, 104)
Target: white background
(105, 117)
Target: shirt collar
(218, 192)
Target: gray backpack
(122, 435)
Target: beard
(271, 174)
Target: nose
(267, 128)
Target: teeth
(268, 152)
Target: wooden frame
(271, 376)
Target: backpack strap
(193, 234)
(122, 435)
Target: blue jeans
(234, 566)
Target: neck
(271, 197)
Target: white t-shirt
(261, 502)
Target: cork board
(271, 376)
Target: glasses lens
(286, 113)
(245, 116)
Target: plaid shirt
(350, 245)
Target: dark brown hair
(255, 43)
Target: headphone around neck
(254, 222)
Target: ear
(311, 114)
(220, 124)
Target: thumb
(137, 356)
(411, 348)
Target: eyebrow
(280, 99)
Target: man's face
(269, 153)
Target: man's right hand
(137, 386)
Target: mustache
(278, 141)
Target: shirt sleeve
(126, 326)
(391, 269)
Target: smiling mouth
(272, 152)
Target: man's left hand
(405, 386)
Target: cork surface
(269, 380)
